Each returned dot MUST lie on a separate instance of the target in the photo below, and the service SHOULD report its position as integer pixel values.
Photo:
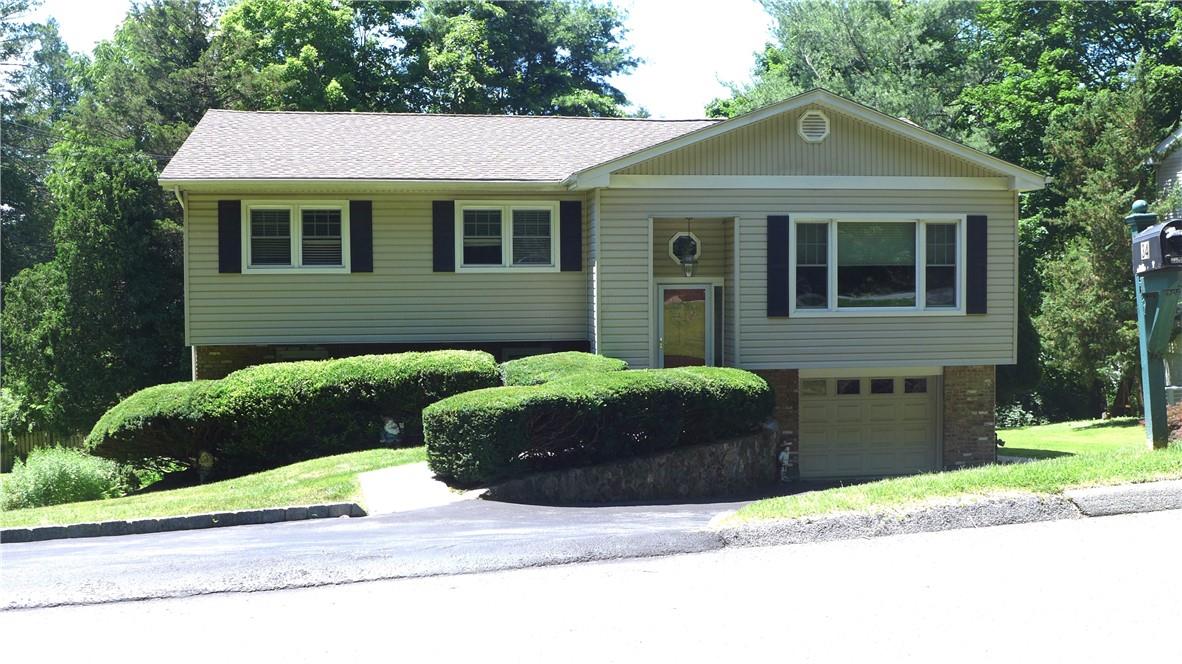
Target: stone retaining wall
(731, 467)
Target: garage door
(852, 427)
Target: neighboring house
(1167, 163)
(866, 267)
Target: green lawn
(326, 480)
(1053, 440)
(1084, 454)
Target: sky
(689, 47)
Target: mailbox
(1158, 247)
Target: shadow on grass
(1031, 453)
(1115, 423)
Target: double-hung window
(506, 236)
(286, 237)
(877, 264)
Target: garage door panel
(867, 434)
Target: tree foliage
(94, 311)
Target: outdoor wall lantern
(685, 249)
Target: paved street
(468, 536)
(1069, 591)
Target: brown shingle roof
(392, 146)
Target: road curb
(956, 513)
(190, 522)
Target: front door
(684, 327)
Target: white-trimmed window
(295, 237)
(877, 264)
(500, 236)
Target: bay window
(876, 264)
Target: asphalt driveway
(468, 536)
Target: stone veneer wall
(785, 383)
(970, 438)
(727, 468)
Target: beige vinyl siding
(592, 267)
(401, 301)
(836, 341)
(711, 235)
(773, 147)
(728, 294)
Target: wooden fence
(26, 442)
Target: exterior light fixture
(685, 248)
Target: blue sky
(690, 47)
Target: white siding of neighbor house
(773, 147)
(1169, 171)
(837, 341)
(401, 301)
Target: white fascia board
(809, 182)
(259, 186)
(1026, 180)
(1168, 142)
(871, 372)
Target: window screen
(812, 266)
(482, 237)
(876, 264)
(940, 273)
(531, 237)
(320, 243)
(270, 237)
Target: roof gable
(773, 146)
(906, 147)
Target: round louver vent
(813, 126)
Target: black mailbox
(1158, 247)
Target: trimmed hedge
(538, 369)
(271, 415)
(497, 434)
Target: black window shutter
(229, 236)
(361, 236)
(777, 266)
(977, 270)
(571, 236)
(443, 235)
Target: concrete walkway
(404, 488)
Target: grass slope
(325, 480)
(1074, 454)
(1082, 437)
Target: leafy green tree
(38, 90)
(103, 318)
(526, 58)
(909, 60)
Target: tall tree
(38, 90)
(103, 318)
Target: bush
(538, 369)
(496, 434)
(159, 426)
(55, 475)
(275, 414)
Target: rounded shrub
(275, 414)
(500, 433)
(159, 426)
(55, 475)
(538, 369)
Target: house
(866, 267)
(1167, 163)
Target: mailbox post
(1157, 266)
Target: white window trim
(920, 220)
(506, 207)
(297, 227)
(678, 235)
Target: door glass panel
(684, 331)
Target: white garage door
(851, 427)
